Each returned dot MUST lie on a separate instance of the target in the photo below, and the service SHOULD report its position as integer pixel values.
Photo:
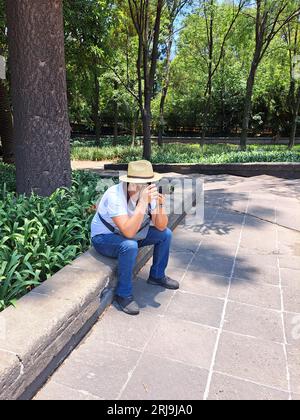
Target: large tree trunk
(295, 121)
(247, 108)
(38, 77)
(115, 139)
(6, 125)
(161, 126)
(116, 116)
(205, 118)
(96, 108)
(147, 130)
(134, 127)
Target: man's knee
(129, 246)
(166, 234)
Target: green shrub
(105, 141)
(7, 178)
(39, 236)
(190, 153)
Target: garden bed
(38, 235)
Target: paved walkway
(232, 331)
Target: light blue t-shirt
(112, 204)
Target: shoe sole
(162, 285)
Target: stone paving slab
(196, 308)
(87, 370)
(228, 388)
(252, 293)
(252, 359)
(294, 368)
(252, 321)
(61, 392)
(190, 381)
(232, 330)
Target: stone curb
(50, 321)
(282, 170)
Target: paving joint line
(153, 333)
(260, 218)
(222, 322)
(251, 382)
(288, 376)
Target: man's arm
(160, 218)
(129, 225)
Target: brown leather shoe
(166, 282)
(128, 305)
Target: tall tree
(216, 54)
(38, 84)
(271, 17)
(174, 8)
(291, 35)
(146, 17)
(87, 31)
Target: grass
(190, 153)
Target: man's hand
(149, 193)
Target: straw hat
(139, 172)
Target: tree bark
(115, 139)
(38, 84)
(295, 121)
(116, 116)
(134, 127)
(247, 107)
(6, 125)
(96, 107)
(147, 130)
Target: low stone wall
(50, 321)
(282, 170)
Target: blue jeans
(126, 250)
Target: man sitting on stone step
(131, 215)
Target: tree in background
(174, 8)
(291, 35)
(146, 17)
(38, 85)
(88, 25)
(190, 90)
(271, 17)
(214, 49)
(208, 70)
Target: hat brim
(155, 178)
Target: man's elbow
(128, 234)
